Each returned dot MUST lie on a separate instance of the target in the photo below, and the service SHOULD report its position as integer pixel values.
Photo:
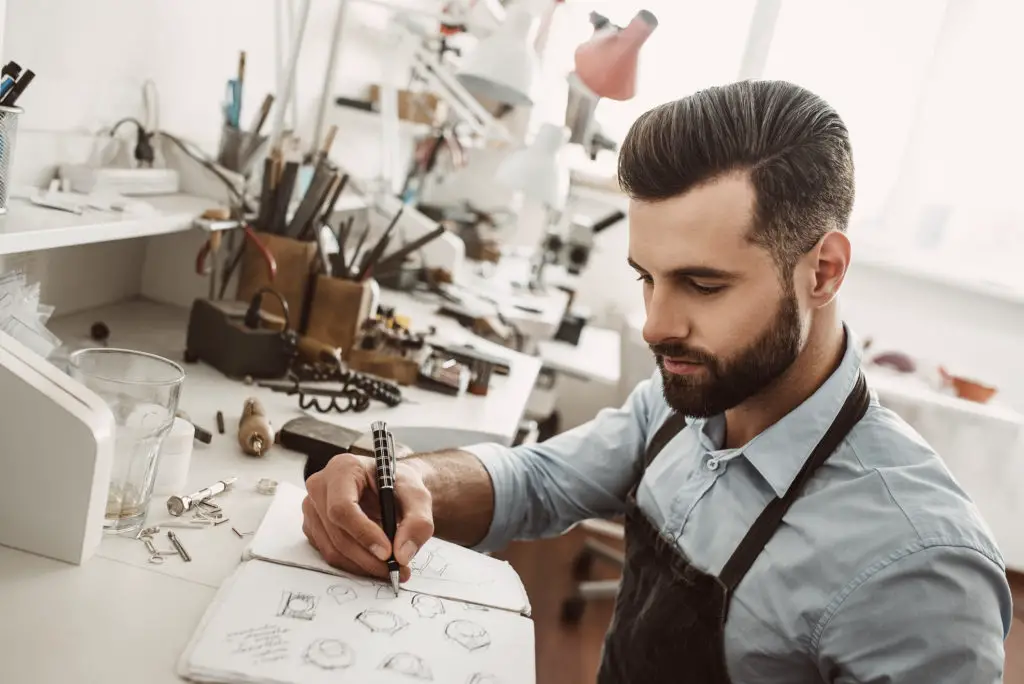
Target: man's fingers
(351, 549)
(348, 556)
(314, 530)
(417, 522)
(341, 508)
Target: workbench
(118, 618)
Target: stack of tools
(239, 148)
(385, 346)
(280, 176)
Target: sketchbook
(286, 617)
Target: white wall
(92, 57)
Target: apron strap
(672, 426)
(768, 521)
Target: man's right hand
(342, 516)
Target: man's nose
(665, 320)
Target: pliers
(206, 259)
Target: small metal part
(237, 533)
(191, 523)
(220, 422)
(219, 522)
(266, 486)
(148, 541)
(178, 547)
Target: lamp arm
(455, 94)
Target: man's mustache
(681, 352)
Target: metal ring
(156, 559)
(266, 486)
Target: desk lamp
(503, 67)
(607, 63)
(605, 66)
(539, 174)
(536, 170)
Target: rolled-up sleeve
(544, 489)
(937, 614)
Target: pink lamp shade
(607, 63)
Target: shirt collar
(779, 452)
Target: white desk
(596, 358)
(118, 618)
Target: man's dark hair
(792, 144)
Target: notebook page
(275, 624)
(440, 568)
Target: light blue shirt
(882, 571)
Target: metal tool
(177, 505)
(155, 556)
(178, 547)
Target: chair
(637, 365)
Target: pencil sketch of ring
(427, 606)
(469, 635)
(329, 654)
(342, 593)
(483, 678)
(409, 665)
(381, 621)
(297, 605)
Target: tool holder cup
(238, 149)
(294, 258)
(336, 309)
(8, 137)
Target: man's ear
(830, 259)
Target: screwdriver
(255, 434)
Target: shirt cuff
(497, 461)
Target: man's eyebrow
(691, 271)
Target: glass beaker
(142, 391)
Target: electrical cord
(145, 155)
(208, 164)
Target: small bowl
(972, 390)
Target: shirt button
(712, 464)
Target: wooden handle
(255, 433)
(316, 351)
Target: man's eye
(645, 278)
(707, 290)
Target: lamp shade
(504, 67)
(607, 63)
(484, 17)
(537, 171)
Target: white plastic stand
(55, 458)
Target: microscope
(573, 250)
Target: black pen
(384, 453)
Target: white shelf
(28, 228)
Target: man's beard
(720, 385)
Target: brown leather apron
(669, 620)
